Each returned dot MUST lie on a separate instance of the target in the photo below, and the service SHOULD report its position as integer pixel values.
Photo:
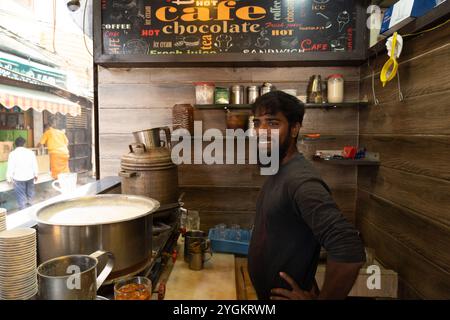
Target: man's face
(265, 126)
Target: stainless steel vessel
(148, 169)
(195, 237)
(237, 94)
(72, 277)
(151, 137)
(121, 224)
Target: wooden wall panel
(430, 281)
(137, 119)
(257, 75)
(403, 208)
(147, 96)
(113, 146)
(227, 175)
(221, 198)
(413, 48)
(332, 122)
(122, 76)
(426, 114)
(412, 153)
(418, 77)
(212, 118)
(428, 196)
(415, 230)
(136, 99)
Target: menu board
(223, 27)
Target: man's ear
(295, 129)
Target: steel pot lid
(97, 210)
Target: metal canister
(237, 94)
(266, 87)
(252, 94)
(196, 261)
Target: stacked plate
(18, 279)
(2, 219)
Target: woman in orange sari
(57, 144)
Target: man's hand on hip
(295, 294)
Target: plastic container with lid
(204, 92)
(335, 86)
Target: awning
(25, 99)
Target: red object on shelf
(349, 152)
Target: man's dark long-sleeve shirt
(295, 216)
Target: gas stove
(164, 243)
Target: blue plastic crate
(227, 245)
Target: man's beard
(284, 148)
(282, 151)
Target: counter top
(26, 218)
(215, 282)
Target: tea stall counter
(216, 281)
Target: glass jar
(204, 92)
(193, 220)
(135, 288)
(335, 88)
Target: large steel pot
(148, 170)
(121, 224)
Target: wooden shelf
(350, 162)
(350, 104)
(434, 16)
(223, 106)
(303, 138)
